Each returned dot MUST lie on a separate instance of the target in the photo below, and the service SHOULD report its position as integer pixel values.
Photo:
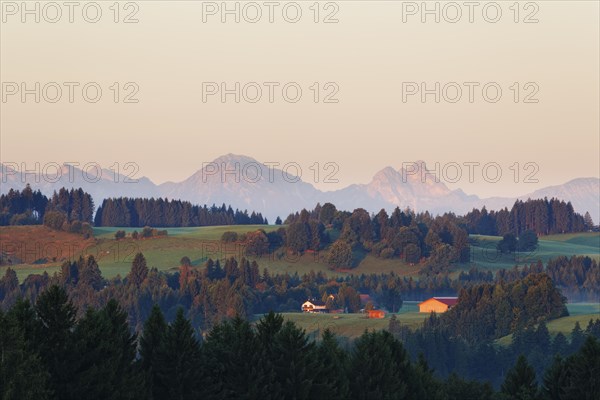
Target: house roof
(364, 298)
(449, 301)
(315, 302)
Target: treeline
(420, 237)
(146, 233)
(448, 354)
(70, 209)
(542, 216)
(208, 294)
(215, 290)
(24, 207)
(140, 212)
(527, 241)
(490, 311)
(412, 237)
(67, 210)
(48, 353)
(578, 276)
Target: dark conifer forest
(140, 212)
(74, 206)
(53, 350)
(26, 207)
(193, 334)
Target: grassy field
(203, 232)
(484, 254)
(200, 243)
(585, 239)
(584, 309)
(353, 325)
(579, 312)
(35, 249)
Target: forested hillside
(542, 216)
(140, 212)
(48, 353)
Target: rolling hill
(199, 243)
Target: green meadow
(201, 243)
(353, 325)
(578, 312)
(484, 253)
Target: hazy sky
(370, 58)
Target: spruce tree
(295, 363)
(268, 326)
(584, 380)
(456, 388)
(379, 367)
(267, 330)
(423, 385)
(587, 219)
(179, 360)
(106, 353)
(577, 337)
(89, 273)
(520, 382)
(23, 375)
(56, 316)
(139, 270)
(555, 380)
(151, 340)
(560, 345)
(332, 380)
(233, 365)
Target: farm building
(364, 299)
(376, 313)
(313, 306)
(437, 304)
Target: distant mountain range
(257, 187)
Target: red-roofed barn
(437, 304)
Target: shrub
(87, 230)
(340, 254)
(146, 232)
(75, 227)
(412, 253)
(388, 252)
(229, 237)
(54, 219)
(256, 243)
(528, 241)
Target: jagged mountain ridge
(246, 183)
